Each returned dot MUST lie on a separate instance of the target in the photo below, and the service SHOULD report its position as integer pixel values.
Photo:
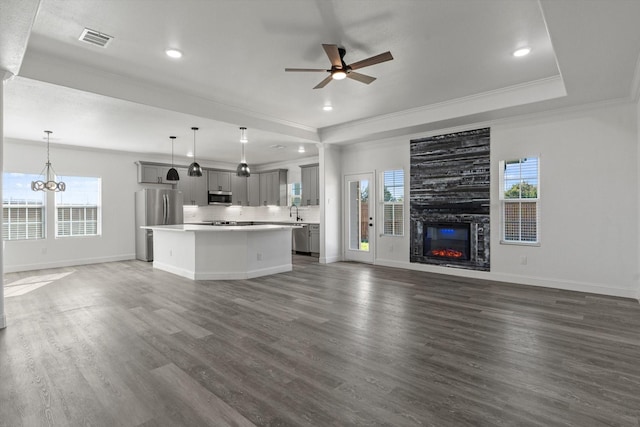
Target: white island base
(204, 252)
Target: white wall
(589, 210)
(331, 205)
(119, 183)
(3, 317)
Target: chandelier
(48, 183)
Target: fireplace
(450, 241)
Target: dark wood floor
(120, 344)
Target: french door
(359, 218)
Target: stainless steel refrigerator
(155, 206)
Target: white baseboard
(329, 260)
(568, 285)
(66, 263)
(214, 275)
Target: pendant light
(48, 183)
(194, 168)
(172, 174)
(243, 167)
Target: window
(78, 208)
(520, 193)
(295, 194)
(393, 202)
(22, 208)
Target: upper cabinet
(273, 188)
(194, 188)
(219, 181)
(150, 173)
(253, 190)
(239, 190)
(310, 184)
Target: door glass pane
(359, 215)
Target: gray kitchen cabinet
(149, 173)
(310, 184)
(253, 190)
(314, 238)
(219, 180)
(239, 190)
(194, 188)
(273, 188)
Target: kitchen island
(205, 252)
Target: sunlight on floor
(31, 283)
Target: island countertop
(218, 228)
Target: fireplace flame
(446, 253)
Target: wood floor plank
(339, 344)
(200, 400)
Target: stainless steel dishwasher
(301, 242)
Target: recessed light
(173, 53)
(301, 149)
(189, 154)
(327, 108)
(522, 52)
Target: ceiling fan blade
(362, 78)
(333, 54)
(383, 57)
(306, 69)
(324, 82)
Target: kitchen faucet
(298, 218)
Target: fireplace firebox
(449, 241)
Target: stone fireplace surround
(450, 184)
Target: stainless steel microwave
(219, 197)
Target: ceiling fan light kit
(340, 70)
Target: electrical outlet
(259, 256)
(523, 260)
(170, 252)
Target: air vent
(95, 37)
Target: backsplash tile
(249, 213)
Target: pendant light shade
(47, 182)
(243, 167)
(194, 168)
(172, 174)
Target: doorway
(359, 216)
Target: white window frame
(77, 208)
(520, 202)
(26, 207)
(384, 204)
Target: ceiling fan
(339, 69)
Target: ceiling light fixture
(522, 52)
(301, 149)
(194, 168)
(48, 183)
(173, 53)
(327, 108)
(243, 168)
(339, 74)
(172, 174)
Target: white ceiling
(452, 64)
